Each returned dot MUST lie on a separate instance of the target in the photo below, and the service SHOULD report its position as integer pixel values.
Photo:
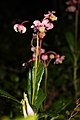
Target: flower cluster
(72, 5)
(40, 28)
(46, 57)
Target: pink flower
(20, 28)
(40, 51)
(36, 23)
(38, 26)
(44, 57)
(59, 59)
(49, 26)
(71, 5)
(42, 26)
(71, 9)
(45, 22)
(50, 16)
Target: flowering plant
(40, 59)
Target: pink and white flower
(59, 59)
(44, 57)
(71, 5)
(50, 16)
(19, 28)
(42, 26)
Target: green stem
(75, 55)
(45, 87)
(35, 70)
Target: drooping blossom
(59, 59)
(71, 9)
(20, 28)
(51, 56)
(71, 5)
(50, 16)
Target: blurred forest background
(63, 85)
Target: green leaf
(39, 76)
(8, 96)
(29, 83)
(70, 40)
(40, 98)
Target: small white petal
(16, 27)
(23, 31)
(29, 109)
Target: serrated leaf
(8, 96)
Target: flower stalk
(75, 56)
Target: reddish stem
(25, 21)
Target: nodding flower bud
(50, 16)
(44, 57)
(57, 56)
(52, 56)
(20, 28)
(59, 59)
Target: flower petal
(29, 109)
(16, 27)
